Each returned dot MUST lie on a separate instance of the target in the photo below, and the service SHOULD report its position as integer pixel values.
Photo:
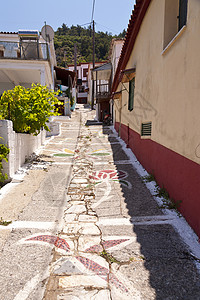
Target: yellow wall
(167, 85)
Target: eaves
(136, 20)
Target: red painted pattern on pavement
(106, 245)
(51, 239)
(102, 272)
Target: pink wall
(179, 175)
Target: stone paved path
(34, 202)
(116, 242)
(85, 226)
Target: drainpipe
(120, 115)
(127, 146)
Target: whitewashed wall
(21, 146)
(54, 128)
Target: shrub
(4, 151)
(28, 109)
(72, 101)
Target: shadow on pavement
(172, 272)
(92, 123)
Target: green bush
(72, 101)
(4, 151)
(28, 109)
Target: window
(175, 18)
(182, 13)
(81, 89)
(146, 129)
(85, 72)
(131, 94)
(2, 51)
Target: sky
(109, 15)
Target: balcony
(102, 92)
(25, 50)
(102, 82)
(82, 95)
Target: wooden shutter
(182, 13)
(131, 94)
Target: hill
(65, 39)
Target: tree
(65, 38)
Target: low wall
(21, 146)
(54, 128)
(65, 110)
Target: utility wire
(86, 24)
(107, 28)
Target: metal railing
(24, 50)
(103, 91)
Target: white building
(84, 82)
(25, 58)
(115, 52)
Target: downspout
(127, 146)
(120, 115)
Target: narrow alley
(86, 226)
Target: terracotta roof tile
(7, 32)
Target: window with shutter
(175, 18)
(131, 94)
(182, 13)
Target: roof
(135, 22)
(6, 32)
(103, 72)
(107, 66)
(64, 75)
(114, 40)
(87, 63)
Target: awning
(127, 75)
(102, 73)
(66, 77)
(117, 95)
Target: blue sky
(109, 15)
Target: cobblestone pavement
(113, 240)
(116, 242)
(34, 201)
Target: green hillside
(65, 39)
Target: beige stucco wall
(167, 85)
